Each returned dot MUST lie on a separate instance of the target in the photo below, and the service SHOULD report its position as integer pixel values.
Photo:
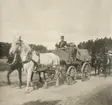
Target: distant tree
(4, 49)
(39, 48)
(96, 45)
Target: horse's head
(105, 59)
(15, 46)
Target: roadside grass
(4, 65)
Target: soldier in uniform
(62, 43)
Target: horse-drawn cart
(75, 63)
(74, 60)
(70, 65)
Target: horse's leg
(20, 76)
(98, 70)
(28, 80)
(46, 79)
(8, 74)
(40, 79)
(44, 75)
(95, 70)
(105, 71)
(32, 76)
(29, 73)
(109, 69)
(57, 78)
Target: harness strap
(25, 61)
(28, 58)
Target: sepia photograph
(55, 52)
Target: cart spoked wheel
(86, 71)
(71, 75)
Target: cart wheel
(86, 71)
(71, 75)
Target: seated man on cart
(62, 44)
(67, 51)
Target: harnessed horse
(14, 65)
(106, 64)
(28, 57)
(94, 62)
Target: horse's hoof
(74, 82)
(83, 79)
(20, 87)
(26, 92)
(45, 86)
(57, 85)
(105, 76)
(65, 83)
(34, 87)
(8, 83)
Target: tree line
(96, 45)
(4, 48)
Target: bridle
(15, 55)
(28, 56)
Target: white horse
(28, 64)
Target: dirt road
(53, 95)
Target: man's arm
(59, 45)
(66, 44)
(56, 45)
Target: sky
(44, 21)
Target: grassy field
(4, 65)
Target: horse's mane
(25, 47)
